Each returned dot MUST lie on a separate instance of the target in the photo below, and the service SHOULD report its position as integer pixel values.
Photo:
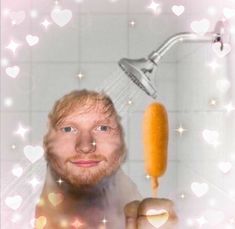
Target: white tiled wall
(98, 35)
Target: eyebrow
(105, 120)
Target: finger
(131, 214)
(156, 213)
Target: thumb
(131, 214)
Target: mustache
(92, 156)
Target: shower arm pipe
(155, 56)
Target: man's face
(86, 147)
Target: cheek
(61, 147)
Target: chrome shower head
(139, 71)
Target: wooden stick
(154, 186)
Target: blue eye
(103, 128)
(69, 129)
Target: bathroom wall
(84, 54)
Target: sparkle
(231, 194)
(147, 176)
(76, 223)
(60, 181)
(212, 102)
(40, 202)
(232, 30)
(93, 143)
(4, 62)
(6, 12)
(63, 223)
(212, 202)
(180, 130)
(13, 146)
(132, 23)
(13, 46)
(229, 107)
(80, 75)
(104, 221)
(154, 6)
(33, 13)
(21, 131)
(189, 222)
(182, 196)
(130, 102)
(214, 65)
(211, 11)
(201, 221)
(232, 221)
(34, 182)
(8, 102)
(46, 23)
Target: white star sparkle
(214, 65)
(33, 13)
(201, 221)
(13, 46)
(60, 181)
(80, 75)
(154, 6)
(229, 107)
(132, 23)
(8, 102)
(21, 131)
(180, 130)
(104, 221)
(212, 102)
(46, 23)
(34, 182)
(4, 62)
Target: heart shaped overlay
(157, 218)
(32, 40)
(55, 198)
(33, 153)
(177, 10)
(17, 17)
(221, 51)
(61, 17)
(201, 26)
(199, 189)
(211, 136)
(40, 222)
(13, 71)
(224, 166)
(13, 202)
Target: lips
(85, 163)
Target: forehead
(91, 111)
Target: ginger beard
(60, 154)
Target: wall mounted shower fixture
(141, 70)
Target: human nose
(85, 143)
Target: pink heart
(61, 17)
(177, 10)
(228, 13)
(13, 71)
(17, 17)
(216, 47)
(201, 26)
(32, 40)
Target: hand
(150, 213)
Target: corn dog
(155, 139)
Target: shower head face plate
(136, 70)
